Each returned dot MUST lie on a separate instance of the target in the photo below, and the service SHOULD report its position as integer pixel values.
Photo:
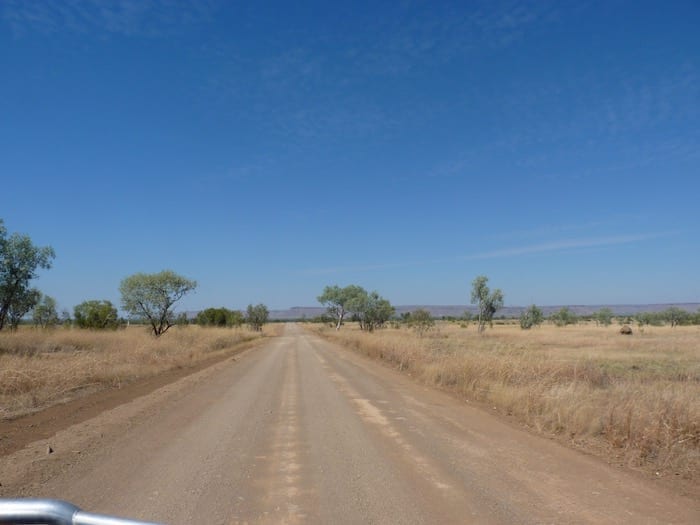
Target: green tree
(337, 299)
(236, 318)
(152, 296)
(488, 302)
(370, 309)
(212, 317)
(22, 303)
(675, 316)
(45, 313)
(695, 319)
(220, 317)
(603, 317)
(19, 262)
(564, 317)
(649, 318)
(96, 315)
(531, 317)
(256, 316)
(421, 321)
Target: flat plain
(634, 400)
(300, 430)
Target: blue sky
(267, 150)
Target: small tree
(421, 321)
(96, 315)
(212, 317)
(337, 299)
(564, 317)
(675, 316)
(19, 261)
(152, 296)
(235, 318)
(603, 317)
(220, 317)
(370, 309)
(256, 316)
(648, 318)
(531, 317)
(488, 302)
(45, 314)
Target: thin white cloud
(151, 18)
(559, 246)
(563, 245)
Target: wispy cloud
(563, 245)
(413, 38)
(559, 246)
(150, 18)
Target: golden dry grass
(636, 397)
(39, 368)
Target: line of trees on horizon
(150, 299)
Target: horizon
(269, 151)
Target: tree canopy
(152, 296)
(488, 302)
(96, 315)
(420, 320)
(564, 317)
(370, 309)
(256, 316)
(45, 313)
(337, 300)
(219, 317)
(19, 262)
(531, 317)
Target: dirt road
(300, 431)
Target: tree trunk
(340, 321)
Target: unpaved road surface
(301, 431)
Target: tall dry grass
(39, 368)
(636, 397)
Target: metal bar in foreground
(29, 511)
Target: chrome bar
(31, 511)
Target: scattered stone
(49, 450)
(626, 330)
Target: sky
(269, 149)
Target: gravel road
(301, 431)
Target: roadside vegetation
(40, 368)
(47, 358)
(635, 398)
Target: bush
(421, 321)
(98, 315)
(564, 317)
(531, 317)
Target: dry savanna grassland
(634, 399)
(40, 368)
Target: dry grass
(637, 397)
(40, 368)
